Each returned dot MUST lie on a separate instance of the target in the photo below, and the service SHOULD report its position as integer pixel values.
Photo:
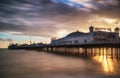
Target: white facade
(74, 38)
(86, 38)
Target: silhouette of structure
(98, 41)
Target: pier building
(95, 35)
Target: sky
(45, 19)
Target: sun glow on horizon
(6, 39)
(61, 33)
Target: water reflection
(108, 64)
(34, 64)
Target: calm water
(35, 64)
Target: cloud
(9, 27)
(47, 17)
(9, 40)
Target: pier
(95, 42)
(105, 49)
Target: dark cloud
(11, 27)
(46, 18)
(109, 11)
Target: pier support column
(107, 52)
(95, 52)
(91, 51)
(78, 51)
(51, 49)
(111, 52)
(47, 49)
(65, 48)
(117, 52)
(85, 51)
(99, 51)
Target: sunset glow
(62, 33)
(46, 19)
(107, 63)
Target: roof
(74, 34)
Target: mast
(91, 21)
(30, 40)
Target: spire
(77, 27)
(91, 20)
(77, 30)
(91, 28)
(30, 40)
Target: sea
(38, 64)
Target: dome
(116, 29)
(74, 34)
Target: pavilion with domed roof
(93, 36)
